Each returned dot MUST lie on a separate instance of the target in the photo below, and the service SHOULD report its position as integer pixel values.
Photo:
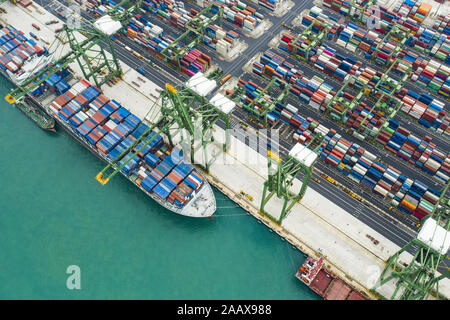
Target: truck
(34, 36)
(139, 69)
(225, 79)
(137, 54)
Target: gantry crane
(281, 178)
(385, 88)
(180, 110)
(89, 53)
(194, 35)
(400, 35)
(310, 39)
(264, 107)
(345, 105)
(418, 279)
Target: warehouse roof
(222, 103)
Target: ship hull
(190, 209)
(47, 127)
(202, 203)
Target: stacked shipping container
(153, 38)
(435, 76)
(237, 13)
(110, 129)
(315, 93)
(421, 152)
(16, 49)
(353, 161)
(428, 40)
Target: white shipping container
(314, 105)
(432, 164)
(380, 190)
(291, 108)
(341, 42)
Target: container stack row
(271, 5)
(314, 92)
(242, 17)
(169, 177)
(15, 49)
(56, 83)
(155, 40)
(431, 115)
(111, 129)
(219, 39)
(431, 41)
(433, 75)
(251, 92)
(366, 122)
(442, 24)
(236, 12)
(216, 37)
(193, 61)
(428, 111)
(421, 152)
(358, 164)
(416, 10)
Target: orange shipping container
(424, 9)
(131, 33)
(268, 70)
(408, 205)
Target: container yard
(330, 130)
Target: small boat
(39, 117)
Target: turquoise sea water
(53, 213)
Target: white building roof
(434, 236)
(303, 155)
(222, 103)
(107, 25)
(201, 85)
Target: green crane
(281, 175)
(311, 39)
(89, 53)
(193, 35)
(385, 88)
(259, 107)
(418, 279)
(179, 109)
(399, 34)
(345, 105)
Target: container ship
(325, 283)
(105, 128)
(19, 58)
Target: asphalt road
(398, 228)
